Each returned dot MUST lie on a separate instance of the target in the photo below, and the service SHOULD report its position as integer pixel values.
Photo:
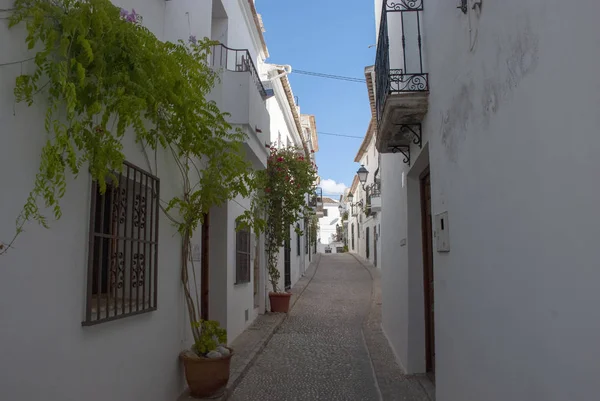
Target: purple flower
(193, 39)
(132, 17)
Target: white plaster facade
(512, 152)
(43, 279)
(367, 226)
(327, 225)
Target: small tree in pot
(278, 204)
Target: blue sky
(328, 37)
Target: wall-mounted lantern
(362, 173)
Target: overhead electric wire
(329, 76)
(342, 135)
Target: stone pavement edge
(248, 345)
(393, 383)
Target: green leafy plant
(102, 76)
(280, 201)
(211, 336)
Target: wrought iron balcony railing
(316, 200)
(373, 190)
(406, 75)
(238, 60)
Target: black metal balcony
(238, 60)
(401, 84)
(316, 202)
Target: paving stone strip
(318, 352)
(392, 382)
(264, 326)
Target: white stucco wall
(511, 159)
(283, 127)
(43, 280)
(370, 160)
(326, 228)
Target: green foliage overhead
(101, 74)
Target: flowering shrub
(280, 201)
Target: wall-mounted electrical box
(442, 232)
(196, 253)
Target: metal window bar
(242, 271)
(408, 78)
(306, 236)
(298, 240)
(238, 60)
(123, 247)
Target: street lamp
(362, 173)
(350, 197)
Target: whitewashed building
(328, 227)
(59, 336)
(366, 207)
(489, 166)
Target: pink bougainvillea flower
(124, 13)
(280, 159)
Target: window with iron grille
(352, 236)
(325, 212)
(123, 247)
(242, 260)
(306, 236)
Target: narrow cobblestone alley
(319, 352)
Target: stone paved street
(319, 352)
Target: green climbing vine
(102, 76)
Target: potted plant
(83, 83)
(279, 202)
(207, 363)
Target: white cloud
(330, 187)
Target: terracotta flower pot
(280, 301)
(205, 376)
